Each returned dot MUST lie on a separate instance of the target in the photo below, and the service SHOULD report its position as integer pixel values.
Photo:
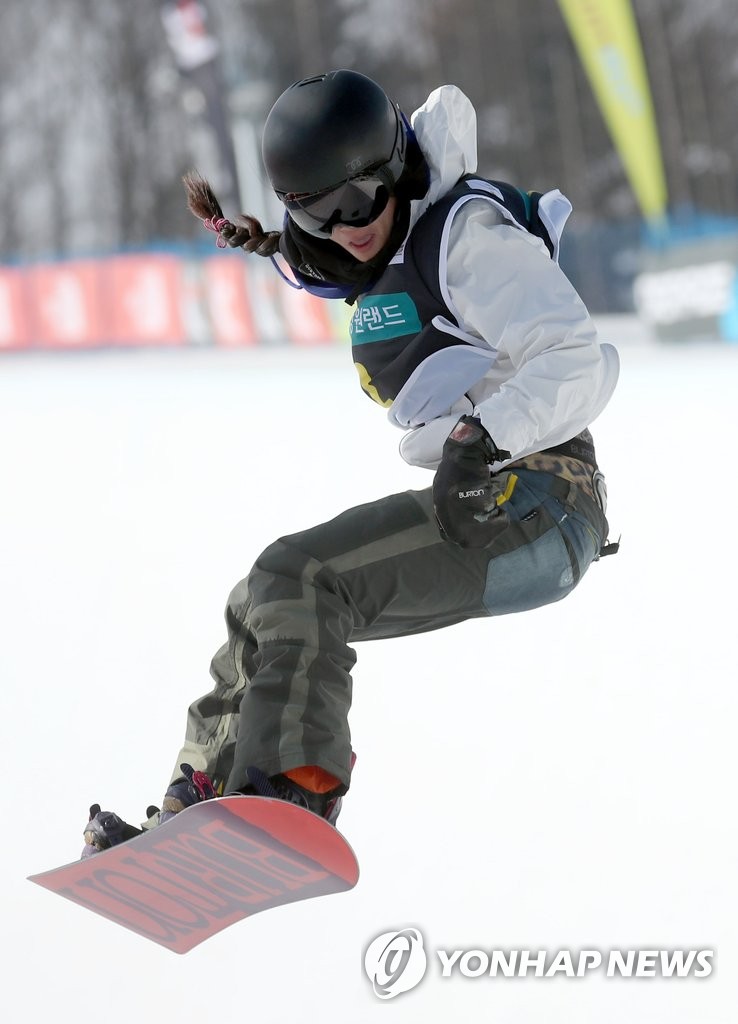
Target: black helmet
(334, 147)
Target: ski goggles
(356, 203)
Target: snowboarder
(468, 332)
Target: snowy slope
(560, 779)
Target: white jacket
(549, 377)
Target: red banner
(225, 294)
(15, 330)
(64, 308)
(306, 317)
(144, 300)
(160, 299)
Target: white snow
(562, 779)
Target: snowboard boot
(105, 829)
(191, 789)
(310, 787)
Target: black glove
(464, 490)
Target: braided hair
(243, 232)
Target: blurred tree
(96, 134)
(93, 128)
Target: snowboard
(214, 864)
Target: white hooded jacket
(548, 377)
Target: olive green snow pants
(282, 681)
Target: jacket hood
(446, 130)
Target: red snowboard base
(212, 865)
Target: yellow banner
(606, 37)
